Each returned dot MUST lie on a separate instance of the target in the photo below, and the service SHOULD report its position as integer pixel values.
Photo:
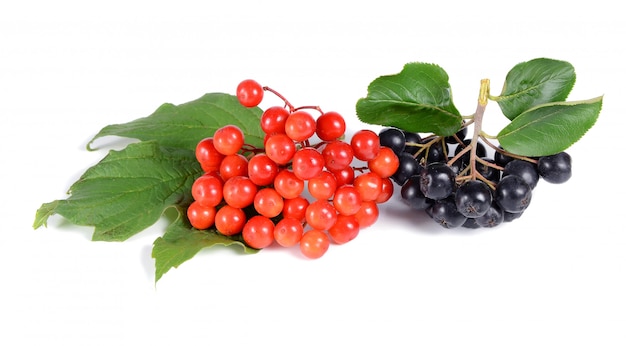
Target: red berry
(268, 202)
(209, 158)
(300, 126)
(321, 214)
(307, 163)
(234, 165)
(344, 230)
(385, 164)
(280, 148)
(201, 216)
(258, 232)
(228, 139)
(337, 155)
(365, 145)
(323, 185)
(249, 93)
(314, 244)
(347, 200)
(288, 232)
(239, 191)
(330, 126)
(273, 120)
(207, 190)
(230, 220)
(262, 170)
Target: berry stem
(287, 103)
(478, 123)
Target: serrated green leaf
(181, 242)
(551, 128)
(127, 191)
(533, 83)
(183, 126)
(418, 99)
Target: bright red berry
(314, 243)
(330, 126)
(300, 126)
(258, 232)
(365, 145)
(249, 93)
(228, 139)
(201, 216)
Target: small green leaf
(183, 126)
(533, 83)
(418, 99)
(127, 191)
(551, 128)
(181, 242)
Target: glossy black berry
(412, 194)
(437, 180)
(555, 169)
(407, 168)
(513, 194)
(413, 140)
(492, 218)
(444, 212)
(393, 138)
(473, 198)
(501, 159)
(488, 172)
(523, 169)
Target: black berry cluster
(455, 181)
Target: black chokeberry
(444, 212)
(473, 198)
(412, 194)
(408, 167)
(524, 169)
(393, 138)
(555, 169)
(437, 180)
(413, 141)
(492, 218)
(513, 194)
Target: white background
(67, 68)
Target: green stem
(478, 123)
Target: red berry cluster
(291, 192)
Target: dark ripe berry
(555, 169)
(458, 166)
(412, 139)
(436, 152)
(437, 180)
(488, 172)
(523, 169)
(508, 217)
(501, 159)
(473, 198)
(412, 194)
(492, 218)
(444, 212)
(393, 138)
(471, 223)
(460, 136)
(481, 151)
(408, 167)
(513, 194)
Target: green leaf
(183, 126)
(533, 83)
(418, 99)
(127, 191)
(181, 242)
(551, 128)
